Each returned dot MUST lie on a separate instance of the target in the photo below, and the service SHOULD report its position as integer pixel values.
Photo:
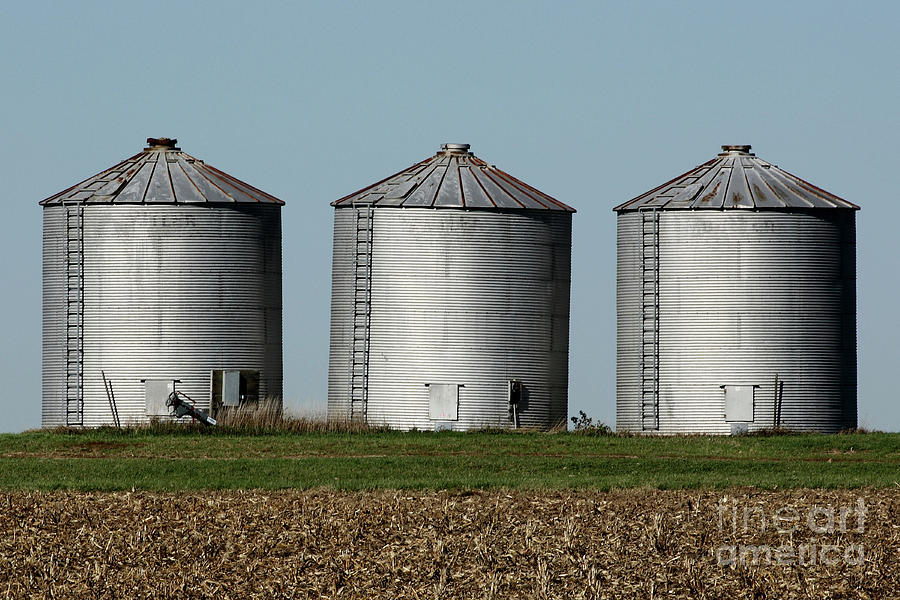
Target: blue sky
(591, 102)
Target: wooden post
(111, 397)
(776, 405)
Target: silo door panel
(231, 388)
(156, 392)
(443, 401)
(739, 403)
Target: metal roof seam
(493, 179)
(749, 189)
(147, 185)
(169, 180)
(728, 181)
(203, 172)
(512, 181)
(462, 191)
(481, 185)
(824, 194)
(241, 186)
(440, 183)
(543, 197)
(188, 175)
(786, 180)
(774, 191)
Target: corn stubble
(392, 544)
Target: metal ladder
(649, 320)
(362, 312)
(74, 343)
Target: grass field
(187, 459)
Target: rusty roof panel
(453, 178)
(498, 194)
(475, 195)
(160, 182)
(161, 174)
(185, 190)
(738, 190)
(135, 188)
(736, 179)
(451, 191)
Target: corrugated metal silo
(736, 297)
(159, 269)
(450, 296)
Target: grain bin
(450, 299)
(160, 271)
(736, 298)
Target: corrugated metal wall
(744, 295)
(171, 292)
(460, 297)
(53, 406)
(342, 280)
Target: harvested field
(475, 544)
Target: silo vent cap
(737, 149)
(455, 148)
(162, 142)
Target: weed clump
(259, 418)
(585, 425)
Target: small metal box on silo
(161, 272)
(450, 300)
(736, 302)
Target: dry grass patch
(390, 544)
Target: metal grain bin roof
(162, 174)
(736, 178)
(453, 178)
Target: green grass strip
(148, 460)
